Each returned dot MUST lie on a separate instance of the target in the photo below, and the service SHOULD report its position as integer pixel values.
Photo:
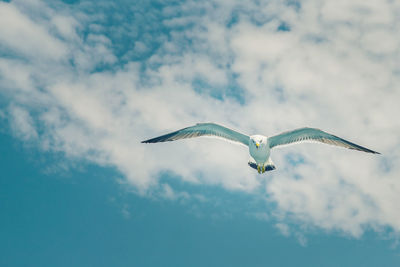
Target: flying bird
(259, 145)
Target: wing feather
(312, 134)
(203, 129)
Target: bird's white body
(261, 152)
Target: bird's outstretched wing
(203, 129)
(312, 134)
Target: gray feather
(312, 134)
(202, 129)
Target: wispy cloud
(22, 123)
(93, 84)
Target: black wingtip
(374, 152)
(155, 140)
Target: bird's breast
(260, 154)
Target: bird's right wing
(312, 134)
(203, 129)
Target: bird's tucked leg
(261, 168)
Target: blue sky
(83, 82)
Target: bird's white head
(258, 141)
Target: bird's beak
(257, 145)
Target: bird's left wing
(312, 134)
(203, 129)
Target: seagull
(259, 145)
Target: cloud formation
(92, 84)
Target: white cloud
(332, 70)
(65, 26)
(22, 35)
(22, 123)
(283, 228)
